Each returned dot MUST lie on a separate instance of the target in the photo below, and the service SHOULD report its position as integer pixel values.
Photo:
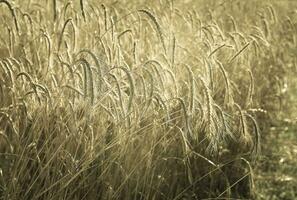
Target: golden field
(147, 99)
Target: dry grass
(127, 100)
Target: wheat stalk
(157, 25)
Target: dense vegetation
(143, 100)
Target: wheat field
(138, 99)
